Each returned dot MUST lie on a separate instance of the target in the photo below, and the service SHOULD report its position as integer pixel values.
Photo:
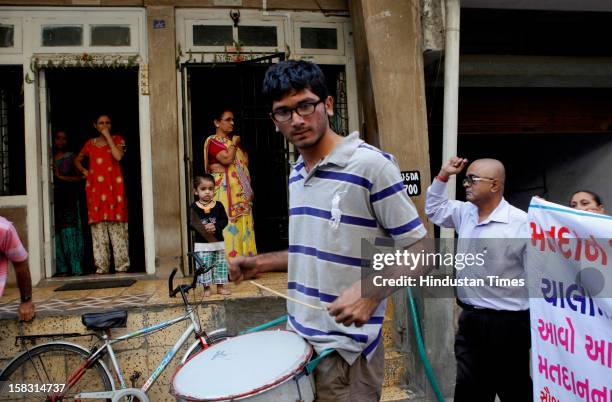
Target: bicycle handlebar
(172, 291)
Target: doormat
(107, 283)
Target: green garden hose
(416, 323)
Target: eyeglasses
(470, 179)
(104, 122)
(303, 109)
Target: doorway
(75, 96)
(12, 144)
(237, 86)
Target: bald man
(493, 341)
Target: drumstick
(259, 285)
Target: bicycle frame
(194, 328)
(95, 356)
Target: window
(12, 137)
(85, 31)
(7, 35)
(62, 35)
(110, 35)
(265, 36)
(318, 38)
(213, 35)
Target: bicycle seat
(105, 320)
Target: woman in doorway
(66, 194)
(106, 202)
(227, 161)
(587, 201)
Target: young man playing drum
(340, 191)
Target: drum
(259, 366)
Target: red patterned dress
(105, 187)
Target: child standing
(208, 218)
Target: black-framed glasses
(303, 109)
(470, 179)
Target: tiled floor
(144, 293)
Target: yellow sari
(233, 190)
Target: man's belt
(483, 310)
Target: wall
(388, 38)
(585, 167)
(328, 5)
(164, 139)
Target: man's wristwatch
(25, 299)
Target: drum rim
(252, 392)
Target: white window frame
(189, 24)
(86, 20)
(280, 35)
(185, 23)
(297, 34)
(59, 49)
(17, 35)
(133, 35)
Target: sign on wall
(412, 182)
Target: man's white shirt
(505, 231)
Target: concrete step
(148, 303)
(395, 368)
(395, 394)
(387, 333)
(389, 326)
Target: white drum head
(242, 366)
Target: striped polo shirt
(354, 193)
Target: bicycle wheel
(50, 364)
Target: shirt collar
(341, 153)
(500, 214)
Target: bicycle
(61, 370)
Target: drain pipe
(449, 149)
(451, 96)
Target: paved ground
(146, 292)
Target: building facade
(532, 92)
(160, 71)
